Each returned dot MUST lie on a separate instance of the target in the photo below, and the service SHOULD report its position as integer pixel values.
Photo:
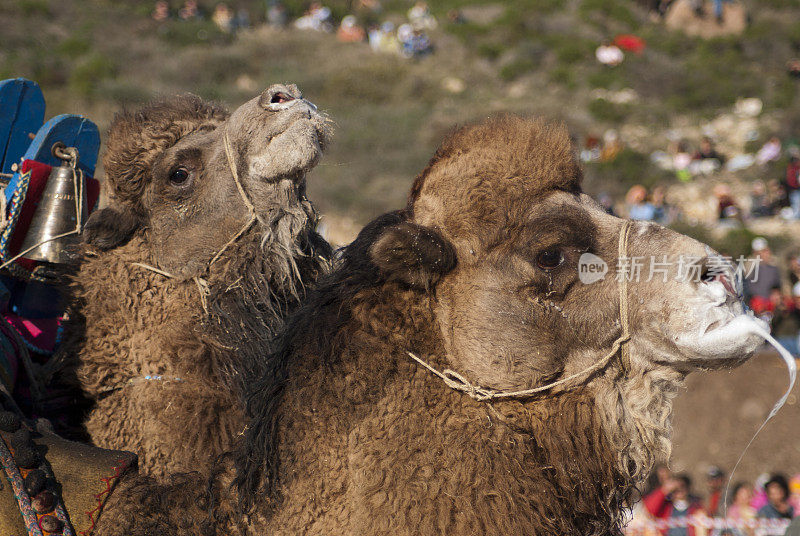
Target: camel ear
(416, 255)
(110, 227)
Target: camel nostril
(280, 97)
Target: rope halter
(456, 381)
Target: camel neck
(375, 445)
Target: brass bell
(53, 235)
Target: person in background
(708, 151)
(778, 195)
(715, 480)
(638, 207)
(223, 18)
(740, 509)
(759, 201)
(794, 490)
(719, 13)
(783, 316)
(606, 202)
(674, 500)
(161, 11)
(349, 30)
(664, 213)
(764, 276)
(793, 262)
(727, 208)
(778, 506)
(190, 11)
(276, 14)
(792, 184)
(769, 152)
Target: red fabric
(762, 304)
(40, 332)
(39, 175)
(793, 176)
(660, 506)
(713, 502)
(630, 43)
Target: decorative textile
(87, 475)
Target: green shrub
(75, 45)
(185, 33)
(87, 74)
(516, 68)
(604, 110)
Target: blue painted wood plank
(21, 115)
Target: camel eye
(179, 176)
(550, 259)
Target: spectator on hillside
(793, 263)
(708, 151)
(421, 18)
(740, 508)
(609, 54)
(190, 11)
(681, 161)
(161, 12)
(769, 152)
(715, 480)
(349, 30)
(778, 506)
(386, 39)
(727, 208)
(242, 19)
(794, 491)
(760, 206)
(276, 14)
(785, 324)
(764, 275)
(663, 212)
(638, 207)
(793, 185)
(455, 16)
(719, 12)
(591, 149)
(223, 18)
(413, 43)
(612, 146)
(674, 501)
(778, 195)
(793, 67)
(317, 17)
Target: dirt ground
(720, 411)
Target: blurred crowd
(226, 19)
(776, 196)
(409, 39)
(773, 292)
(671, 499)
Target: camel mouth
(723, 342)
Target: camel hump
(86, 476)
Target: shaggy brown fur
(130, 322)
(349, 436)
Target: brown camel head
(172, 181)
(498, 231)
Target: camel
(207, 242)
(454, 374)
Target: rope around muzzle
(202, 284)
(456, 381)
